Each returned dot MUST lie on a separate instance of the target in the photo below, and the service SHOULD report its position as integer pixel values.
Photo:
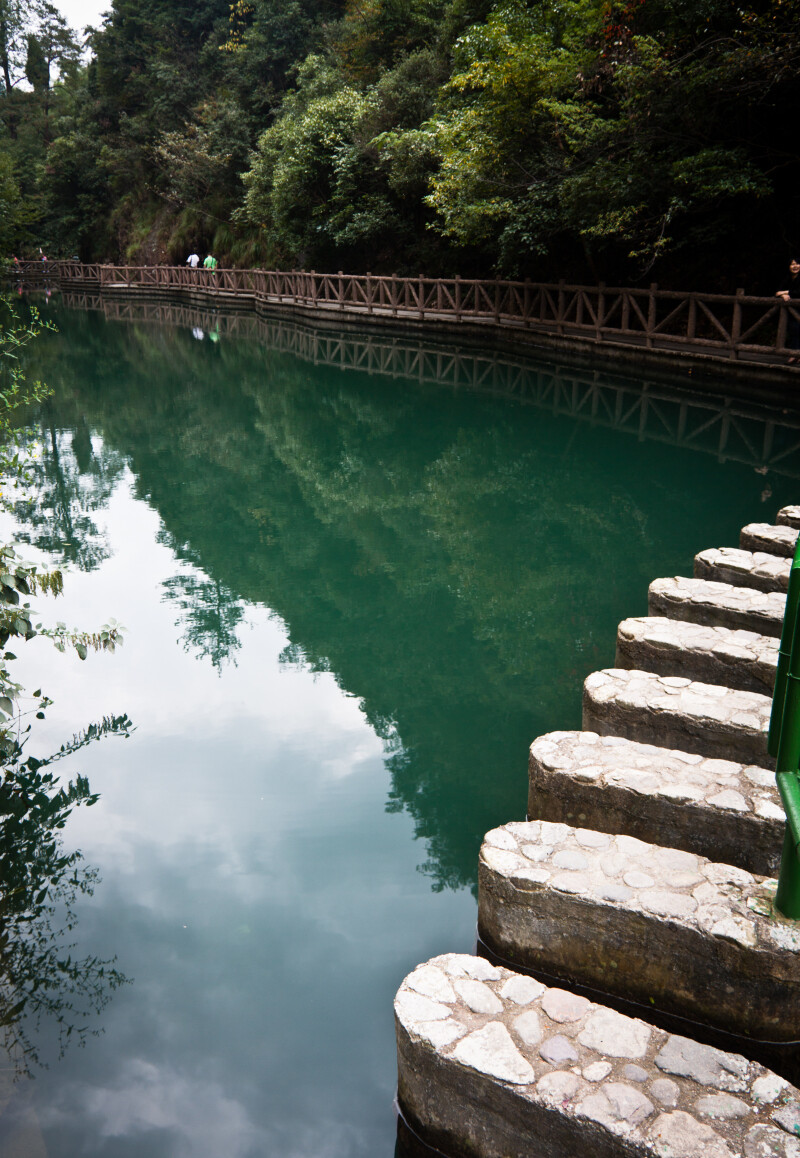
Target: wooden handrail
(719, 324)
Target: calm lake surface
(352, 600)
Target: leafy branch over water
(40, 882)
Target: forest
(631, 142)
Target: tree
(341, 173)
(12, 49)
(301, 159)
(569, 123)
(12, 208)
(52, 45)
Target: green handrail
(784, 744)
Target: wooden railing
(733, 326)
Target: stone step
(780, 540)
(743, 568)
(493, 1064)
(675, 712)
(729, 812)
(717, 604)
(655, 925)
(788, 517)
(733, 658)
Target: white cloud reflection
(253, 886)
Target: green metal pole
(784, 744)
(787, 761)
(787, 898)
(784, 654)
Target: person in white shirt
(193, 260)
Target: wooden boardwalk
(715, 327)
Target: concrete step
(717, 808)
(493, 1064)
(733, 658)
(675, 712)
(788, 517)
(718, 604)
(780, 540)
(651, 924)
(756, 569)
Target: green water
(351, 601)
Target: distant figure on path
(193, 260)
(211, 262)
(790, 292)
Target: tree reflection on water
(459, 562)
(42, 986)
(209, 615)
(71, 477)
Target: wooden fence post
(562, 300)
(736, 324)
(601, 308)
(457, 296)
(651, 314)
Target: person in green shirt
(210, 262)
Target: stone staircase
(753, 569)
(644, 873)
(726, 810)
(716, 604)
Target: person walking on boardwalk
(790, 292)
(193, 260)
(210, 262)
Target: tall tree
(51, 46)
(12, 56)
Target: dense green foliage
(539, 138)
